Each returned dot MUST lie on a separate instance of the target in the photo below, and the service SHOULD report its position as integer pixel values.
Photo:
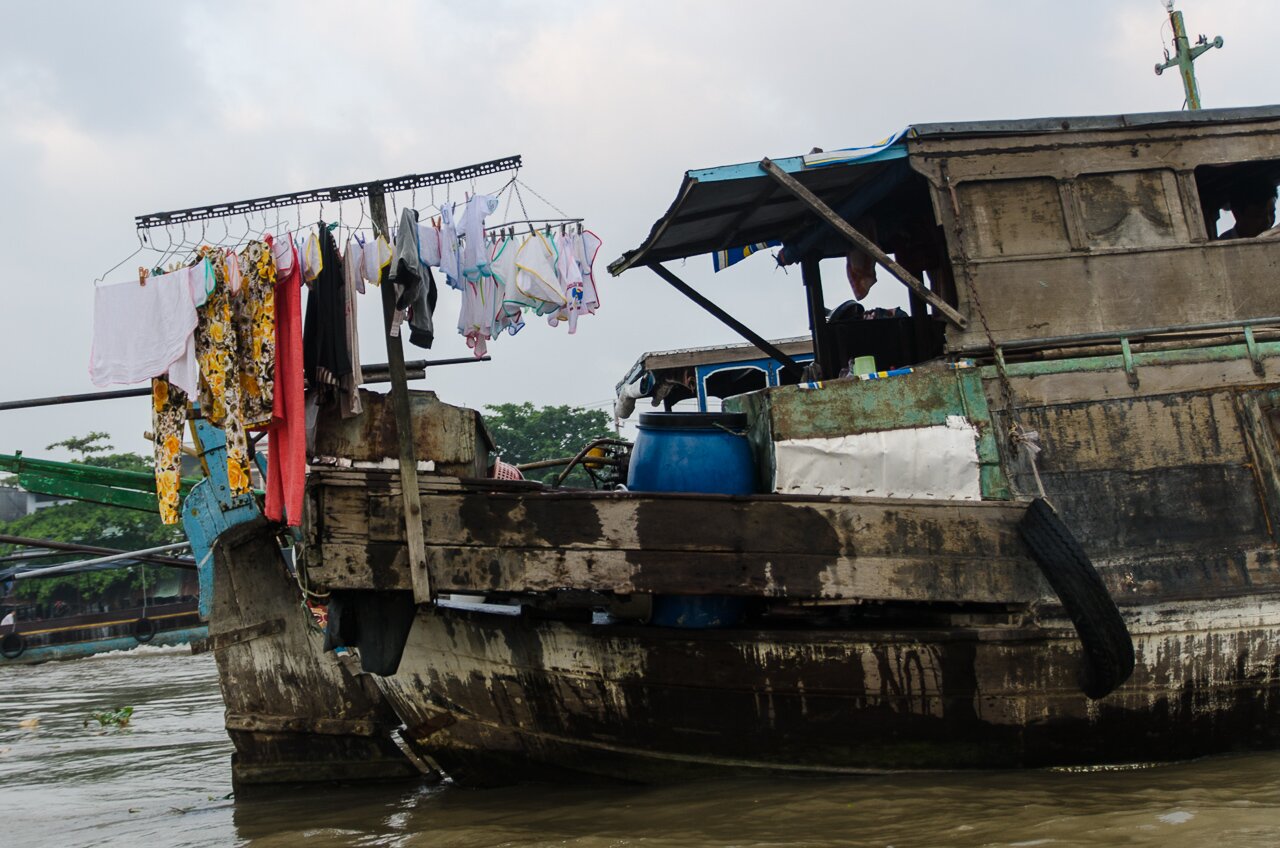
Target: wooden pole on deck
(422, 592)
(865, 244)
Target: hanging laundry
(377, 259)
(139, 331)
(415, 286)
(449, 260)
(326, 356)
(536, 277)
(473, 258)
(312, 257)
(220, 392)
(429, 243)
(349, 385)
(512, 303)
(168, 418)
(185, 372)
(353, 263)
(254, 307)
(287, 437)
(570, 275)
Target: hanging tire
(12, 646)
(1108, 647)
(144, 630)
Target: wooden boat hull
(495, 698)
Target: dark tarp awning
(735, 205)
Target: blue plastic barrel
(693, 452)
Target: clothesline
(224, 326)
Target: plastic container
(692, 452)
(705, 452)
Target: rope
(1026, 442)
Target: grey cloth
(415, 285)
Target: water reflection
(164, 780)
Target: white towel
(139, 332)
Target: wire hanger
(142, 245)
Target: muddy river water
(164, 780)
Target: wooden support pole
(736, 325)
(811, 273)
(865, 244)
(422, 592)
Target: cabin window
(1129, 209)
(1238, 200)
(1017, 217)
(728, 382)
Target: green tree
(525, 433)
(90, 524)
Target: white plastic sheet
(939, 462)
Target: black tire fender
(144, 629)
(1108, 648)
(12, 646)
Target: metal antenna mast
(1185, 55)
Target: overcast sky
(110, 110)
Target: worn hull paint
(295, 713)
(493, 698)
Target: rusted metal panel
(452, 437)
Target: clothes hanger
(142, 245)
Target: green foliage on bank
(90, 524)
(525, 433)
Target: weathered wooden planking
(644, 702)
(294, 712)
(1062, 295)
(623, 543)
(453, 438)
(1136, 434)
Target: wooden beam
(869, 247)
(422, 591)
(737, 326)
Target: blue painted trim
(793, 165)
(745, 171)
(210, 510)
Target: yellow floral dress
(168, 416)
(220, 398)
(254, 308)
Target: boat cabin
(1011, 235)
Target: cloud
(108, 111)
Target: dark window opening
(903, 226)
(735, 381)
(1239, 200)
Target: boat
(1031, 523)
(37, 638)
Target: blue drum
(692, 452)
(705, 452)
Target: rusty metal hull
(496, 698)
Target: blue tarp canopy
(735, 205)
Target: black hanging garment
(326, 356)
